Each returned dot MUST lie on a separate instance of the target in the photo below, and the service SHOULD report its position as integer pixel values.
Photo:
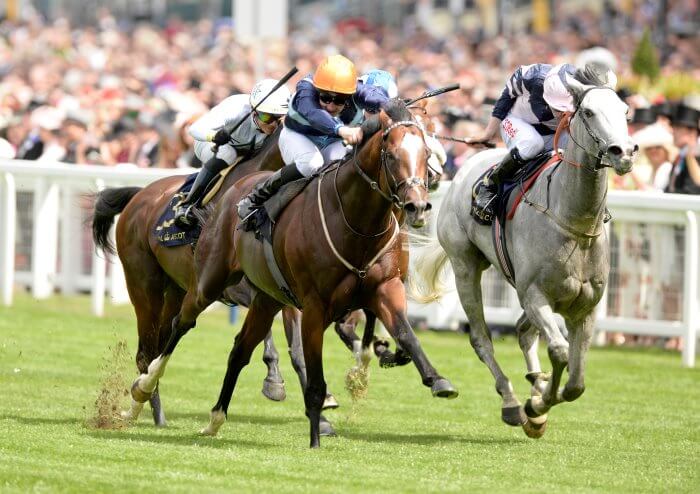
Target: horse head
(599, 126)
(403, 161)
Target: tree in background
(645, 62)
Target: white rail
(654, 237)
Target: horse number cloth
(166, 231)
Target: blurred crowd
(118, 92)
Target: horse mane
(397, 110)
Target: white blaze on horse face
(612, 113)
(413, 145)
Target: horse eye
(587, 113)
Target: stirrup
(184, 217)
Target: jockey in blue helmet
(383, 80)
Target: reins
(391, 197)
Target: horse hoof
(325, 428)
(138, 394)
(216, 420)
(274, 390)
(330, 402)
(442, 388)
(514, 416)
(387, 360)
(533, 430)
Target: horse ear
(575, 87)
(385, 119)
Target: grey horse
(560, 254)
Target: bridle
(413, 181)
(600, 158)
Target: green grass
(636, 429)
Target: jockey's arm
(306, 103)
(370, 98)
(224, 115)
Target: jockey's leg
(302, 158)
(524, 142)
(213, 165)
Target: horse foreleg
(273, 385)
(292, 330)
(580, 336)
(256, 325)
(468, 279)
(389, 303)
(312, 327)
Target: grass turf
(636, 429)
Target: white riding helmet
(555, 92)
(277, 103)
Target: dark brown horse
(348, 259)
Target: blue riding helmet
(383, 80)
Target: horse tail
(425, 280)
(108, 204)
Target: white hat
(47, 118)
(655, 135)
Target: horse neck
(364, 208)
(580, 192)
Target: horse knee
(572, 392)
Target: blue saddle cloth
(166, 231)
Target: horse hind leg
(467, 269)
(257, 323)
(273, 384)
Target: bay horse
(559, 250)
(351, 262)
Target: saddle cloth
(166, 231)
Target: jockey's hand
(221, 137)
(351, 135)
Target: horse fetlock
(559, 355)
(216, 420)
(138, 393)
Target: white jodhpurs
(517, 133)
(298, 149)
(227, 153)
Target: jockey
(528, 112)
(326, 110)
(216, 126)
(386, 82)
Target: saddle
(507, 202)
(171, 235)
(262, 224)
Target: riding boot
(264, 190)
(184, 217)
(484, 202)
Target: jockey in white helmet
(216, 126)
(527, 114)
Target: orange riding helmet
(336, 74)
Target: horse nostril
(410, 207)
(636, 148)
(428, 207)
(616, 150)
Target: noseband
(600, 161)
(394, 185)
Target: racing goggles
(337, 99)
(267, 118)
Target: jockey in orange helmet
(326, 110)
